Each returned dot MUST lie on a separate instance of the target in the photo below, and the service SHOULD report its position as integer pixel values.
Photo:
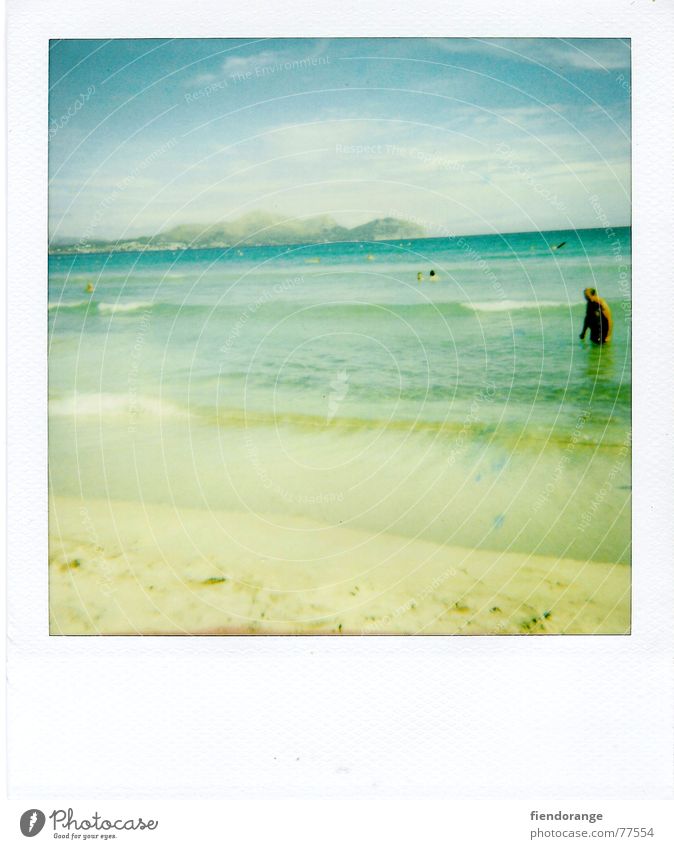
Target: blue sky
(461, 135)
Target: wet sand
(130, 568)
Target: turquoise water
(327, 381)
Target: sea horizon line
(67, 251)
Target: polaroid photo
(328, 336)
(340, 336)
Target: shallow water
(462, 408)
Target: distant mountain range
(255, 228)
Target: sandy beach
(130, 568)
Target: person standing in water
(598, 318)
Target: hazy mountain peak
(258, 227)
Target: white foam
(85, 404)
(509, 306)
(130, 306)
(67, 305)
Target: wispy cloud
(262, 58)
(272, 58)
(557, 54)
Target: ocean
(328, 383)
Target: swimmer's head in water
(590, 294)
(432, 274)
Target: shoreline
(125, 568)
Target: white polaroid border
(480, 717)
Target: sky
(461, 136)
